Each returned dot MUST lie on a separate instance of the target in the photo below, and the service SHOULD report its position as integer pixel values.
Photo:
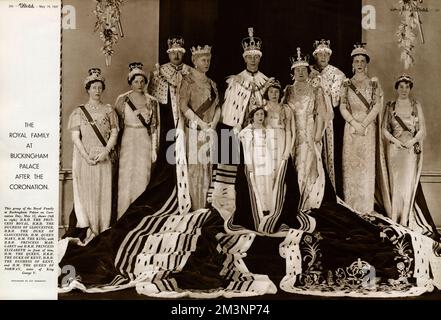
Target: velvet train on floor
(329, 251)
(172, 255)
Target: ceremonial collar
(253, 74)
(177, 68)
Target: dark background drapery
(282, 25)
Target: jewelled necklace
(300, 90)
(93, 106)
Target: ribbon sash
(206, 105)
(360, 96)
(93, 125)
(140, 117)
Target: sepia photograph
(254, 149)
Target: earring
(366, 70)
(353, 70)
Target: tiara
(201, 50)
(404, 77)
(175, 44)
(322, 46)
(275, 84)
(300, 60)
(251, 44)
(359, 48)
(94, 74)
(135, 68)
(135, 65)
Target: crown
(322, 46)
(175, 44)
(94, 74)
(251, 44)
(300, 60)
(201, 50)
(359, 48)
(135, 68)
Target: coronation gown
(359, 151)
(308, 108)
(136, 148)
(199, 100)
(92, 184)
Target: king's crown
(251, 42)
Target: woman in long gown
(310, 114)
(138, 112)
(199, 103)
(258, 159)
(360, 105)
(404, 129)
(91, 164)
(280, 125)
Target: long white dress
(136, 150)
(359, 151)
(92, 184)
(278, 126)
(258, 160)
(307, 153)
(404, 165)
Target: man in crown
(245, 90)
(244, 93)
(166, 79)
(331, 81)
(164, 86)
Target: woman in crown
(404, 130)
(138, 121)
(199, 103)
(94, 129)
(305, 98)
(280, 125)
(360, 104)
